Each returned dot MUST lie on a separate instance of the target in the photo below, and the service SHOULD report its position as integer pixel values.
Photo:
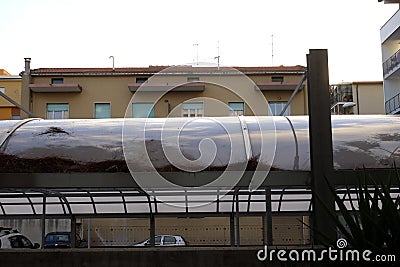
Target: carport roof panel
(131, 202)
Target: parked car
(164, 241)
(11, 238)
(61, 240)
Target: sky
(85, 33)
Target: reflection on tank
(77, 145)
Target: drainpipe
(358, 102)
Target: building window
(142, 80)
(277, 79)
(102, 110)
(57, 111)
(142, 110)
(169, 240)
(193, 79)
(57, 80)
(15, 114)
(277, 107)
(192, 109)
(236, 108)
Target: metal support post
(152, 230)
(232, 228)
(88, 233)
(267, 220)
(73, 231)
(237, 220)
(321, 156)
(296, 90)
(44, 220)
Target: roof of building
(358, 82)
(4, 72)
(168, 69)
(368, 82)
(10, 77)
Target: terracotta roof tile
(156, 69)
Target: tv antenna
(272, 49)
(218, 56)
(197, 52)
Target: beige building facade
(160, 91)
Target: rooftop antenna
(113, 69)
(218, 56)
(197, 52)
(272, 49)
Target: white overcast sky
(84, 33)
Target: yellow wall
(12, 89)
(114, 90)
(5, 113)
(95, 90)
(369, 98)
(298, 105)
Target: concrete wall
(182, 257)
(203, 231)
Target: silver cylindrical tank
(192, 144)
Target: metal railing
(391, 63)
(393, 104)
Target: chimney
(27, 65)
(25, 90)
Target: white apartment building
(390, 43)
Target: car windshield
(57, 238)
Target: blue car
(61, 240)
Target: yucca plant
(373, 219)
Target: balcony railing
(392, 106)
(391, 63)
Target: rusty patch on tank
(54, 130)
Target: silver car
(164, 241)
(10, 238)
